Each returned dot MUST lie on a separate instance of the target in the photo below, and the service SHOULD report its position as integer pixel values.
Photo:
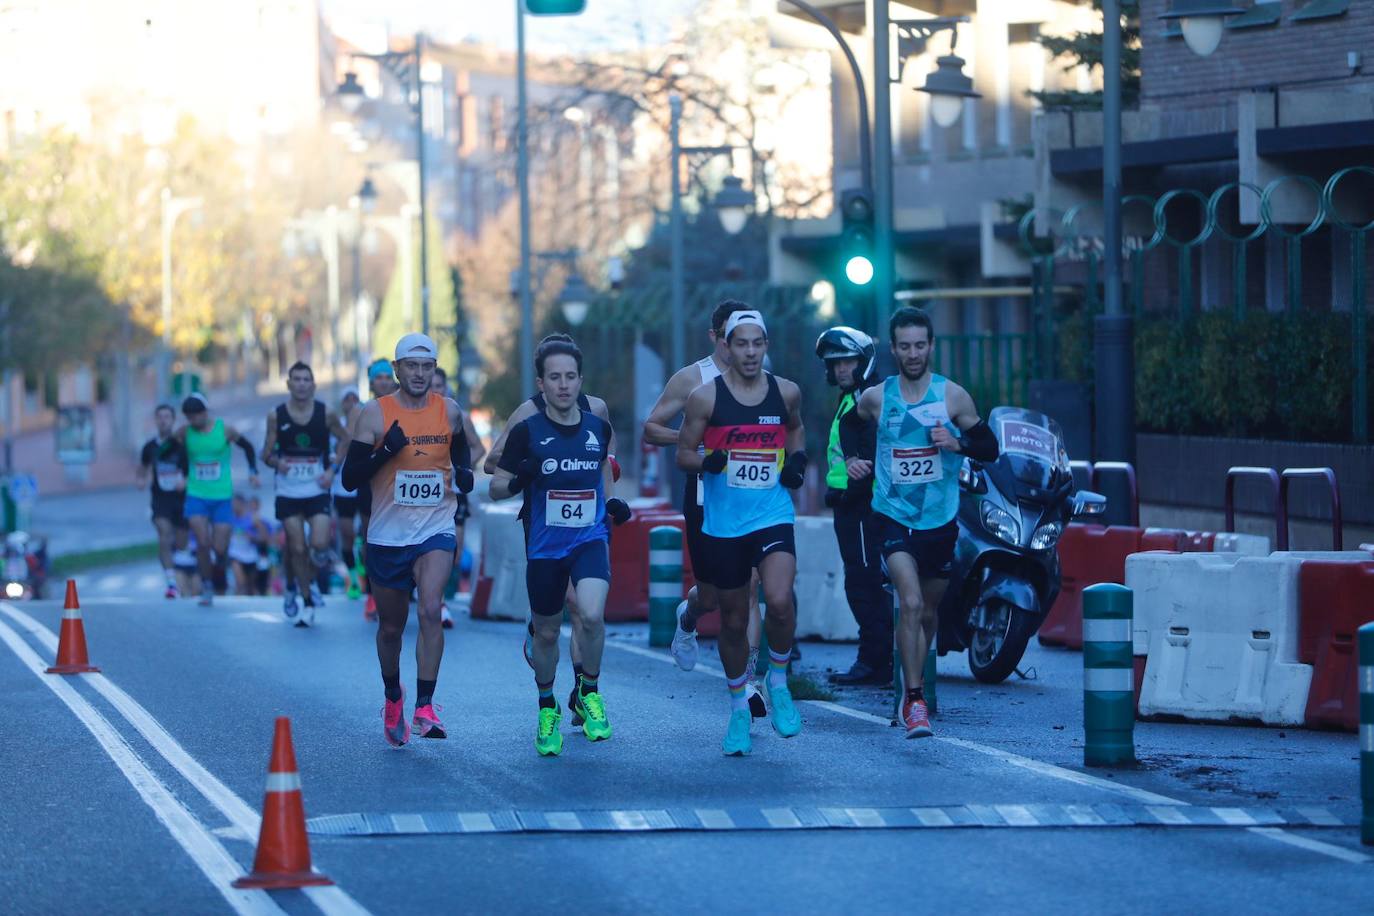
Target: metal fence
(1195, 257)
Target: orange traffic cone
(71, 640)
(283, 857)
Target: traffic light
(856, 237)
(555, 7)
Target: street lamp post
(405, 66)
(522, 178)
(172, 207)
(732, 203)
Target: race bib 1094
(419, 488)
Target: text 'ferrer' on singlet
(748, 495)
(915, 483)
(566, 501)
(412, 495)
(301, 452)
(207, 455)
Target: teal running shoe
(786, 719)
(737, 742)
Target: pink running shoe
(426, 723)
(394, 726)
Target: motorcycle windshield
(1032, 445)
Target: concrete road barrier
(822, 608)
(503, 553)
(1222, 639)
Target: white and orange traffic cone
(71, 640)
(283, 856)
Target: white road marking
(206, 851)
(333, 901)
(260, 617)
(1317, 846)
(656, 654)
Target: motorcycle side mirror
(971, 478)
(1088, 505)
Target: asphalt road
(138, 790)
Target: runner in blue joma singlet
(750, 423)
(558, 456)
(925, 425)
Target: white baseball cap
(749, 316)
(416, 346)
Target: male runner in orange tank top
(409, 447)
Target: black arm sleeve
(517, 449)
(459, 452)
(858, 437)
(149, 453)
(979, 443)
(248, 453)
(361, 463)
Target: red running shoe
(370, 609)
(916, 719)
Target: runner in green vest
(209, 488)
(849, 357)
(925, 425)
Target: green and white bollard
(665, 583)
(1108, 698)
(1366, 660)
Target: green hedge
(1269, 376)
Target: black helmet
(841, 342)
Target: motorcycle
(26, 566)
(1012, 513)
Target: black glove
(462, 479)
(714, 462)
(793, 471)
(834, 498)
(394, 440)
(525, 473)
(618, 510)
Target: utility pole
(884, 259)
(1113, 331)
(522, 171)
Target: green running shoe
(786, 719)
(590, 708)
(737, 743)
(548, 741)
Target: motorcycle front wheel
(995, 651)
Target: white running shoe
(307, 617)
(207, 593)
(316, 598)
(445, 618)
(684, 647)
(757, 709)
(290, 604)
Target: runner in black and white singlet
(750, 422)
(702, 599)
(162, 466)
(297, 448)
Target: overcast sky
(605, 24)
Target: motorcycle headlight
(1001, 524)
(1046, 536)
(14, 590)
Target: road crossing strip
(333, 901)
(1037, 766)
(806, 818)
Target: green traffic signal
(555, 7)
(858, 269)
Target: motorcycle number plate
(912, 466)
